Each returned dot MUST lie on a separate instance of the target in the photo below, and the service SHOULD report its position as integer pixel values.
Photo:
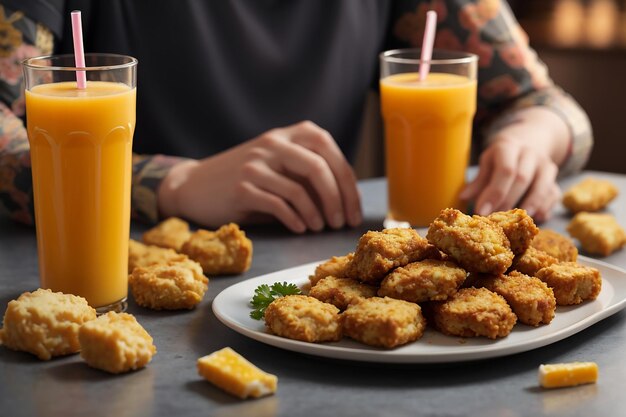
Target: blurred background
(583, 43)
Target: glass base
(118, 307)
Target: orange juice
(428, 126)
(81, 154)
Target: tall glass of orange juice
(81, 151)
(428, 128)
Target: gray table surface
(308, 385)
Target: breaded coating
(341, 292)
(225, 251)
(591, 194)
(305, 318)
(572, 283)
(116, 343)
(475, 243)
(532, 261)
(45, 323)
(335, 266)
(474, 312)
(146, 255)
(518, 227)
(384, 322)
(377, 253)
(426, 280)
(531, 299)
(599, 234)
(555, 244)
(171, 286)
(170, 233)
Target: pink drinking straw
(79, 52)
(427, 43)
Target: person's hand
(296, 174)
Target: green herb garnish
(265, 294)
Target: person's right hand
(296, 174)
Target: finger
(524, 175)
(485, 168)
(322, 143)
(500, 182)
(261, 175)
(546, 209)
(541, 188)
(258, 200)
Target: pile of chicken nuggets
(471, 276)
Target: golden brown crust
(225, 251)
(341, 292)
(591, 194)
(170, 233)
(171, 286)
(475, 243)
(555, 244)
(474, 312)
(45, 323)
(518, 227)
(532, 261)
(599, 234)
(146, 255)
(384, 322)
(377, 253)
(335, 266)
(572, 283)
(422, 281)
(305, 318)
(531, 299)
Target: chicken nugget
(146, 255)
(335, 266)
(225, 251)
(305, 318)
(531, 299)
(341, 292)
(591, 194)
(170, 233)
(377, 253)
(518, 227)
(572, 283)
(555, 244)
(476, 243)
(532, 261)
(599, 234)
(384, 322)
(430, 279)
(474, 312)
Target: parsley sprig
(265, 294)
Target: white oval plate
(232, 308)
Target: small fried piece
(335, 266)
(116, 343)
(170, 286)
(305, 318)
(571, 282)
(599, 234)
(430, 279)
(531, 299)
(170, 233)
(146, 255)
(518, 227)
(384, 322)
(555, 244)
(377, 253)
(476, 243)
(45, 323)
(341, 292)
(225, 251)
(531, 261)
(474, 312)
(591, 194)
(560, 375)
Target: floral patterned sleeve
(22, 38)
(511, 77)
